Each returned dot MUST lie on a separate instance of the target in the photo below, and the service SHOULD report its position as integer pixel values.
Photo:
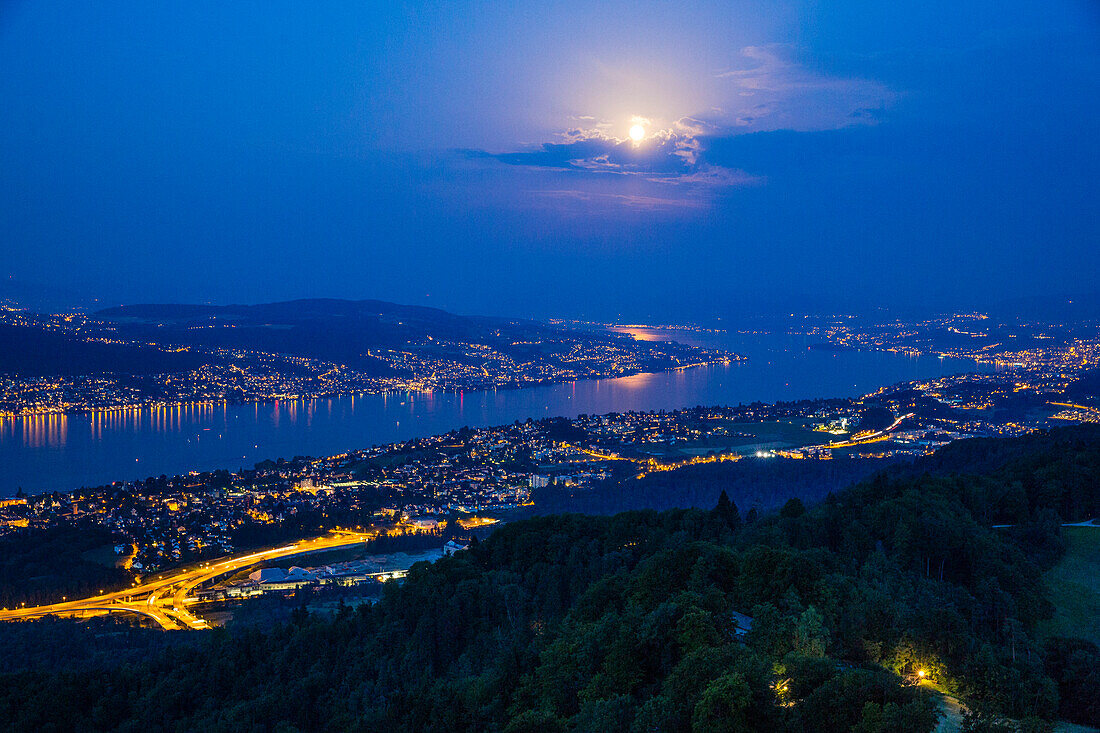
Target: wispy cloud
(634, 201)
(771, 90)
(670, 155)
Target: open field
(749, 436)
(795, 433)
(103, 555)
(1075, 586)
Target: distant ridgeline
(144, 355)
(813, 619)
(336, 330)
(344, 331)
(33, 352)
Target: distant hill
(255, 351)
(410, 317)
(377, 316)
(33, 352)
(336, 330)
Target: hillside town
(206, 374)
(421, 485)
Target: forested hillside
(45, 565)
(32, 352)
(630, 623)
(754, 484)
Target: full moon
(637, 133)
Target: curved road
(166, 599)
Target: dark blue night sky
(476, 156)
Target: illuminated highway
(166, 598)
(651, 465)
(875, 437)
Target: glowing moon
(637, 132)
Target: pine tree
(727, 511)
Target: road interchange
(166, 598)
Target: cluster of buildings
(367, 571)
(406, 488)
(472, 476)
(451, 365)
(1076, 413)
(1047, 350)
(240, 375)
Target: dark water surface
(46, 453)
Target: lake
(55, 452)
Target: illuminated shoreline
(412, 387)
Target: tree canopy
(630, 623)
